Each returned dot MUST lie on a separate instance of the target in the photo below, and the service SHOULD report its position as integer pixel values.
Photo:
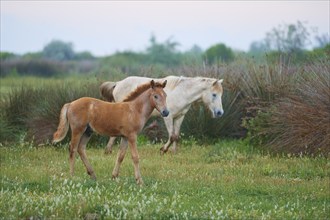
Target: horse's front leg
(108, 148)
(120, 157)
(135, 158)
(169, 126)
(176, 132)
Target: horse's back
(129, 84)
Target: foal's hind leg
(82, 152)
(75, 140)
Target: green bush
(36, 67)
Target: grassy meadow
(264, 159)
(227, 180)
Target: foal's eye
(155, 96)
(214, 95)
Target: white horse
(181, 93)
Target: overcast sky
(104, 27)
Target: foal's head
(212, 97)
(158, 97)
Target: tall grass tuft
(301, 122)
(36, 110)
(296, 120)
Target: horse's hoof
(108, 152)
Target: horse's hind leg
(82, 152)
(108, 148)
(176, 132)
(120, 157)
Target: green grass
(7, 84)
(228, 180)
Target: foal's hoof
(139, 182)
(114, 177)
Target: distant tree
(6, 55)
(195, 50)
(35, 55)
(322, 40)
(288, 38)
(85, 55)
(164, 53)
(219, 52)
(192, 56)
(58, 50)
(258, 47)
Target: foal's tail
(63, 126)
(106, 90)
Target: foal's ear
(220, 80)
(152, 84)
(164, 84)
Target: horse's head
(158, 97)
(212, 98)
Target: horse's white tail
(106, 90)
(63, 126)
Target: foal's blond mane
(139, 90)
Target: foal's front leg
(120, 157)
(135, 158)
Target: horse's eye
(155, 96)
(214, 95)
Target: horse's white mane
(174, 81)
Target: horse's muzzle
(218, 114)
(165, 113)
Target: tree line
(59, 57)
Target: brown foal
(125, 119)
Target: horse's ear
(152, 84)
(164, 83)
(216, 81)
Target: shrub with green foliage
(36, 67)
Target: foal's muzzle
(165, 113)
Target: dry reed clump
(295, 119)
(301, 121)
